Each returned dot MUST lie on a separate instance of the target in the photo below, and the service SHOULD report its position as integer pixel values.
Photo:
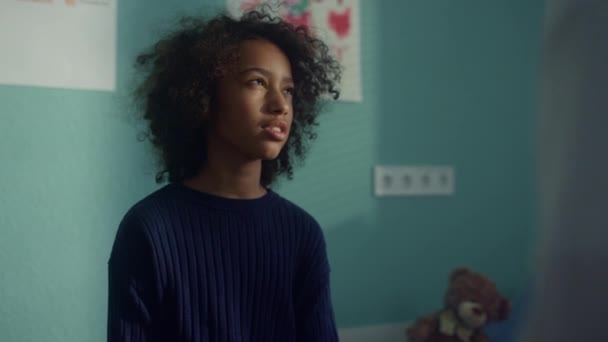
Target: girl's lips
(276, 133)
(277, 130)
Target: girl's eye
(258, 81)
(289, 91)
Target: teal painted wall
(443, 82)
(71, 165)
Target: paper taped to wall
(58, 43)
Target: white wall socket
(413, 180)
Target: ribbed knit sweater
(190, 266)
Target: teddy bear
(471, 301)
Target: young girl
(216, 255)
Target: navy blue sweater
(190, 266)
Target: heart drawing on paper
(340, 22)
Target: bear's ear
(504, 310)
(459, 272)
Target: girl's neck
(238, 184)
(227, 175)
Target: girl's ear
(206, 108)
(207, 112)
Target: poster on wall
(58, 43)
(336, 22)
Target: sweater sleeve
(133, 295)
(315, 320)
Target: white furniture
(390, 332)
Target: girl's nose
(277, 103)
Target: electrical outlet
(413, 180)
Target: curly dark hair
(180, 73)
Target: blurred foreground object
(570, 301)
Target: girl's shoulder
(308, 230)
(296, 210)
(150, 207)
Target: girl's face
(254, 103)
